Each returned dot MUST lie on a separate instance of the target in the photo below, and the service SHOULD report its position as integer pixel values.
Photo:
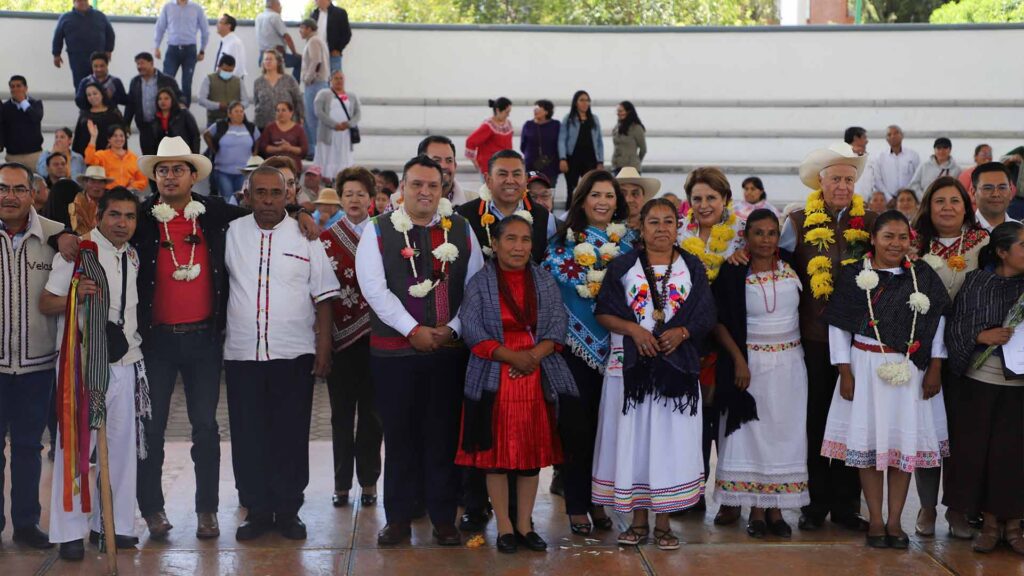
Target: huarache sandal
(634, 536)
(665, 539)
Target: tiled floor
(343, 541)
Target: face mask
(225, 75)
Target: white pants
(70, 526)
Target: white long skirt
(647, 459)
(337, 155)
(764, 463)
(886, 426)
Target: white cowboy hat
(175, 149)
(252, 163)
(837, 154)
(94, 173)
(630, 175)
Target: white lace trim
(734, 495)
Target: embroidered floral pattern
(761, 487)
(782, 346)
(784, 273)
(892, 458)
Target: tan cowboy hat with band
(175, 149)
(94, 173)
(837, 154)
(630, 175)
(328, 196)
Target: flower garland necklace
(164, 213)
(711, 253)
(587, 256)
(894, 373)
(486, 218)
(819, 234)
(956, 262)
(445, 253)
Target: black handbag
(117, 343)
(542, 160)
(353, 130)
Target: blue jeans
(24, 404)
(228, 184)
(310, 122)
(80, 66)
(184, 57)
(196, 355)
(335, 63)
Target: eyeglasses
(165, 171)
(989, 188)
(16, 190)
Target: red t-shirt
(177, 301)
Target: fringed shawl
(848, 308)
(982, 303)
(672, 376)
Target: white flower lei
(894, 373)
(444, 253)
(164, 213)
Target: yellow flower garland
(718, 242)
(819, 268)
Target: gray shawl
(480, 314)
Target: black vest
(471, 212)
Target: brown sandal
(634, 536)
(665, 539)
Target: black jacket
(22, 130)
(133, 109)
(471, 212)
(339, 32)
(182, 123)
(214, 223)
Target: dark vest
(812, 322)
(471, 212)
(225, 91)
(442, 303)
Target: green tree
(897, 11)
(241, 9)
(977, 11)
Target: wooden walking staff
(107, 501)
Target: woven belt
(779, 347)
(873, 348)
(183, 328)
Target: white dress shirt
(374, 286)
(232, 44)
(59, 284)
(269, 272)
(552, 221)
(895, 171)
(982, 222)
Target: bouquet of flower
(1013, 318)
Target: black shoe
(33, 537)
(474, 521)
(852, 521)
(368, 499)
(810, 523)
(897, 542)
(532, 540)
(339, 499)
(780, 528)
(123, 542)
(507, 544)
(881, 541)
(74, 550)
(393, 534)
(254, 526)
(291, 527)
(757, 529)
(581, 529)
(447, 535)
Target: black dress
(103, 121)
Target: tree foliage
(897, 11)
(978, 11)
(241, 9)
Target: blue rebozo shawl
(587, 339)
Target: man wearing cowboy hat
(638, 191)
(82, 211)
(504, 194)
(834, 488)
(328, 208)
(183, 290)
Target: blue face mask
(225, 75)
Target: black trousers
(577, 425)
(577, 168)
(351, 391)
(834, 488)
(269, 405)
(419, 399)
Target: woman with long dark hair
(591, 236)
(580, 148)
(492, 136)
(101, 112)
(754, 198)
(173, 120)
(989, 435)
(629, 138)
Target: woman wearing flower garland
(593, 234)
(515, 326)
(949, 240)
(658, 306)
(990, 432)
(761, 396)
(711, 232)
(886, 340)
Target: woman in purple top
(539, 141)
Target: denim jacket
(568, 133)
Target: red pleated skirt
(523, 423)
